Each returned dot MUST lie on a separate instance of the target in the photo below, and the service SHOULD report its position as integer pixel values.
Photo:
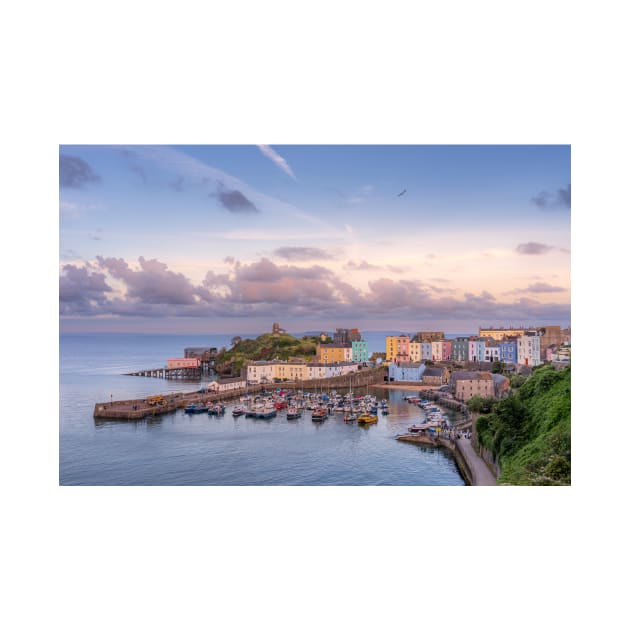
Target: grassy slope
(530, 432)
(265, 348)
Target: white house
(528, 349)
(227, 384)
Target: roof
(230, 380)
(464, 375)
(434, 371)
(499, 379)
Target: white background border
(280, 72)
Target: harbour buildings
(476, 349)
(466, 384)
(528, 349)
(192, 362)
(359, 351)
(334, 352)
(428, 336)
(459, 349)
(346, 335)
(261, 372)
(407, 372)
(397, 348)
(508, 350)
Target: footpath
(482, 476)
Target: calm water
(181, 449)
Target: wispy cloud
(278, 160)
(540, 287)
(197, 172)
(363, 265)
(538, 249)
(533, 249)
(303, 253)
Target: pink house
(446, 350)
(403, 348)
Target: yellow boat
(366, 418)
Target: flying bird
(401, 193)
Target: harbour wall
(139, 408)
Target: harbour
(178, 448)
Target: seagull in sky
(402, 193)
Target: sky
(221, 239)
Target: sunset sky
(207, 239)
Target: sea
(179, 449)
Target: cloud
(81, 289)
(263, 288)
(533, 249)
(75, 172)
(541, 287)
(153, 283)
(558, 200)
(234, 201)
(302, 253)
(279, 161)
(366, 266)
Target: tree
(480, 404)
(498, 367)
(235, 340)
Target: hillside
(530, 431)
(264, 348)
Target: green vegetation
(498, 367)
(530, 431)
(481, 405)
(264, 348)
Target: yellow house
(290, 371)
(499, 334)
(391, 348)
(397, 348)
(333, 353)
(415, 351)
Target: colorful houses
(260, 372)
(397, 348)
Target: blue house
(507, 351)
(408, 372)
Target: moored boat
(319, 415)
(367, 418)
(293, 413)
